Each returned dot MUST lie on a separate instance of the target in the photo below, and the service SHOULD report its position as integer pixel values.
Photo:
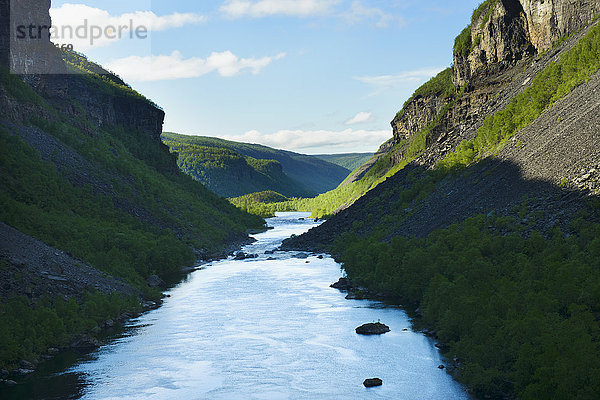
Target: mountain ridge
(258, 168)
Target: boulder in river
(376, 328)
(372, 382)
(243, 256)
(301, 256)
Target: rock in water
(301, 256)
(373, 382)
(376, 328)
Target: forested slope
(234, 169)
(489, 229)
(85, 173)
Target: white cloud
(318, 141)
(266, 8)
(175, 66)
(360, 118)
(384, 82)
(359, 13)
(68, 17)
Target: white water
(259, 329)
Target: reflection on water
(258, 329)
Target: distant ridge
(233, 169)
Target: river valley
(266, 328)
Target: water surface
(261, 329)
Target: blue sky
(313, 76)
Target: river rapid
(258, 329)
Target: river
(257, 329)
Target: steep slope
(488, 230)
(87, 184)
(308, 175)
(495, 58)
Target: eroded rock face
(418, 113)
(549, 20)
(40, 65)
(516, 29)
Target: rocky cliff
(504, 39)
(525, 39)
(506, 31)
(41, 65)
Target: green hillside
(124, 207)
(229, 173)
(259, 203)
(288, 173)
(110, 195)
(350, 161)
(497, 258)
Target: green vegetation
(486, 7)
(350, 161)
(230, 174)
(556, 81)
(296, 174)
(518, 313)
(439, 85)
(463, 44)
(18, 89)
(102, 80)
(260, 203)
(113, 197)
(27, 331)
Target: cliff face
(511, 30)
(40, 64)
(506, 34)
(106, 109)
(416, 115)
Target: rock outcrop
(512, 30)
(505, 37)
(40, 64)
(416, 115)
(376, 328)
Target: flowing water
(258, 329)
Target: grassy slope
(520, 314)
(171, 215)
(39, 200)
(311, 173)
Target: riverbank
(268, 326)
(75, 303)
